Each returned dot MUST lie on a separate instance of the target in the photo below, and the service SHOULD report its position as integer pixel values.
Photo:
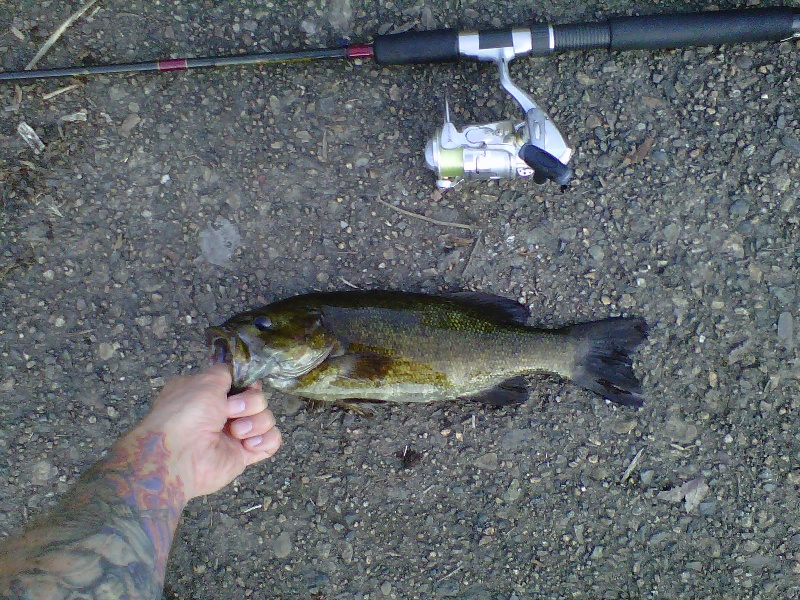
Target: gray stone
(105, 351)
(791, 143)
(447, 589)
(282, 545)
(513, 492)
(596, 252)
(515, 439)
(647, 477)
(740, 208)
(488, 462)
(43, 472)
(786, 329)
(680, 431)
(218, 242)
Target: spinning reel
(533, 147)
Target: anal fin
(510, 391)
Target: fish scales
(441, 336)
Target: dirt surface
(184, 198)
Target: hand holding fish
(211, 437)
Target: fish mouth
(219, 346)
(222, 345)
(220, 352)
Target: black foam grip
(416, 47)
(678, 30)
(701, 29)
(581, 36)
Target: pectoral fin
(511, 391)
(360, 367)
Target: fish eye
(262, 323)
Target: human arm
(111, 534)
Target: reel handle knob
(545, 166)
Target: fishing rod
(504, 149)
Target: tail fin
(602, 358)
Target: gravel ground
(184, 198)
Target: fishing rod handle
(678, 30)
(617, 33)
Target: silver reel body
(476, 153)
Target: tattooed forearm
(109, 537)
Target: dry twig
(59, 91)
(58, 33)
(344, 281)
(408, 213)
(478, 241)
(632, 466)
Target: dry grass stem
(58, 33)
(632, 466)
(59, 91)
(408, 213)
(344, 281)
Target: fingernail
(240, 428)
(254, 441)
(236, 406)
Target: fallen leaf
(640, 153)
(692, 492)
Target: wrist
(144, 458)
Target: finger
(254, 425)
(262, 446)
(216, 377)
(247, 403)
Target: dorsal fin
(499, 309)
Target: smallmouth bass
(381, 346)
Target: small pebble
(282, 545)
(513, 493)
(625, 426)
(131, 121)
(43, 472)
(105, 351)
(596, 252)
(647, 477)
(740, 208)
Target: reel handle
(545, 166)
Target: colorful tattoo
(109, 537)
